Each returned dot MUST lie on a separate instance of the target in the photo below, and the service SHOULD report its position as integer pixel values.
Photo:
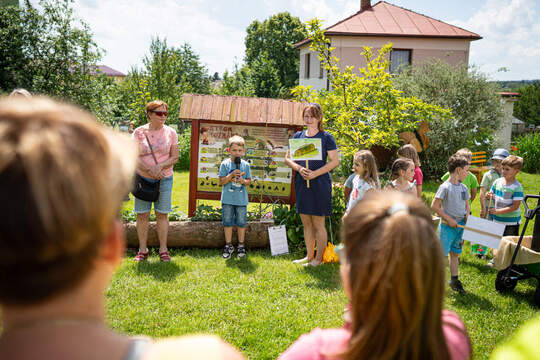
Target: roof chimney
(365, 4)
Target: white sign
(483, 232)
(278, 240)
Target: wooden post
(193, 167)
(307, 167)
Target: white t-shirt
(359, 189)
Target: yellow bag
(330, 255)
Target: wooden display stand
(224, 116)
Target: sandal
(141, 256)
(165, 256)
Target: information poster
(306, 149)
(265, 152)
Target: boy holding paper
(452, 205)
(507, 194)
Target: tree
(51, 52)
(239, 83)
(527, 108)
(9, 3)
(271, 42)
(168, 72)
(473, 100)
(216, 77)
(362, 110)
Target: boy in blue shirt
(234, 176)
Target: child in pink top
(408, 151)
(392, 271)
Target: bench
(479, 158)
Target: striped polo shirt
(504, 196)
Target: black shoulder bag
(144, 189)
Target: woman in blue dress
(315, 202)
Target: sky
(215, 29)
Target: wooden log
(200, 234)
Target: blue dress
(317, 200)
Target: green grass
(262, 304)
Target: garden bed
(200, 234)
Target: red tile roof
(104, 69)
(384, 19)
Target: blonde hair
(68, 176)
(400, 164)
(315, 111)
(515, 162)
(466, 153)
(369, 165)
(408, 151)
(396, 279)
(237, 140)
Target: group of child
(500, 194)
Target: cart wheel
(537, 295)
(504, 284)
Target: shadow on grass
(523, 294)
(161, 271)
(469, 300)
(245, 265)
(327, 276)
(480, 265)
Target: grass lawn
(262, 304)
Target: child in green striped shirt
(507, 194)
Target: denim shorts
(163, 204)
(234, 215)
(451, 238)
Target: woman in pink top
(393, 273)
(163, 140)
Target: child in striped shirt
(507, 194)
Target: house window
(307, 61)
(321, 70)
(399, 58)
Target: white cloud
(216, 29)
(125, 28)
(510, 32)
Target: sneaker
(241, 251)
(227, 251)
(457, 286)
(490, 263)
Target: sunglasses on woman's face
(160, 113)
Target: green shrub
(207, 213)
(427, 198)
(184, 150)
(528, 147)
(473, 100)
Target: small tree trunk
(200, 234)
